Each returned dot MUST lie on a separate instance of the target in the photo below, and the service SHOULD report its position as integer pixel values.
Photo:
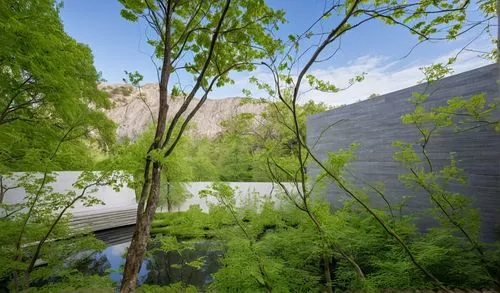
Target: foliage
(174, 288)
(48, 90)
(239, 153)
(37, 230)
(278, 248)
(248, 264)
(206, 40)
(172, 194)
(129, 157)
(458, 223)
(76, 282)
(205, 153)
(51, 119)
(428, 20)
(186, 225)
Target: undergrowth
(277, 249)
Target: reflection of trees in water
(163, 268)
(166, 268)
(94, 263)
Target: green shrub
(174, 288)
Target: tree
(50, 119)
(439, 20)
(203, 160)
(176, 174)
(247, 140)
(48, 84)
(38, 229)
(205, 39)
(129, 156)
(450, 208)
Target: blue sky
(375, 48)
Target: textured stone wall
(375, 124)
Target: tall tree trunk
(151, 188)
(138, 245)
(2, 192)
(169, 202)
(327, 274)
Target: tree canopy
(48, 91)
(51, 119)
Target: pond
(159, 267)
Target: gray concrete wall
(375, 124)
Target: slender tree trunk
(327, 274)
(169, 202)
(1, 189)
(169, 206)
(138, 245)
(151, 188)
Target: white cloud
(383, 75)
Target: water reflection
(113, 259)
(191, 266)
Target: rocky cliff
(134, 112)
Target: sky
(376, 49)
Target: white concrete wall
(244, 191)
(120, 206)
(116, 200)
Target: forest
(53, 118)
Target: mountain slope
(134, 114)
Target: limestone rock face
(133, 112)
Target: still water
(160, 267)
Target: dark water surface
(160, 267)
